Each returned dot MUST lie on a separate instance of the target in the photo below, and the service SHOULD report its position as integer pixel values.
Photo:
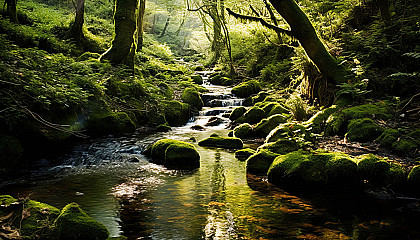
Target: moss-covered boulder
(37, 216)
(243, 131)
(237, 113)
(260, 162)
(216, 79)
(265, 126)
(363, 130)
(291, 130)
(388, 137)
(246, 89)
(88, 55)
(406, 146)
(74, 224)
(260, 97)
(221, 142)
(318, 121)
(192, 97)
(338, 121)
(107, 122)
(244, 154)
(163, 128)
(313, 170)
(197, 79)
(176, 113)
(281, 146)
(174, 153)
(272, 108)
(10, 152)
(226, 81)
(377, 172)
(252, 116)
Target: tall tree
(11, 10)
(123, 46)
(140, 24)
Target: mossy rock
(281, 146)
(260, 162)
(414, 179)
(313, 170)
(225, 81)
(40, 214)
(73, 223)
(221, 142)
(388, 137)
(272, 108)
(260, 97)
(318, 121)
(103, 123)
(163, 128)
(406, 146)
(192, 97)
(176, 113)
(197, 79)
(237, 113)
(244, 154)
(246, 89)
(216, 80)
(247, 102)
(338, 121)
(289, 130)
(166, 90)
(363, 130)
(378, 172)
(265, 126)
(174, 153)
(88, 55)
(11, 152)
(252, 116)
(243, 131)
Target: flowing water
(115, 184)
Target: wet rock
(221, 142)
(260, 162)
(74, 224)
(198, 128)
(237, 113)
(174, 153)
(244, 154)
(214, 121)
(163, 128)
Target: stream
(115, 184)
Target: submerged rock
(74, 224)
(221, 142)
(174, 153)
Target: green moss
(388, 137)
(317, 122)
(163, 128)
(252, 116)
(73, 223)
(242, 131)
(338, 121)
(197, 79)
(341, 171)
(10, 152)
(263, 128)
(281, 146)
(176, 113)
(182, 155)
(157, 151)
(225, 81)
(216, 80)
(88, 55)
(221, 142)
(260, 97)
(192, 97)
(106, 122)
(272, 108)
(377, 171)
(237, 113)
(292, 130)
(260, 162)
(244, 154)
(414, 178)
(405, 146)
(246, 89)
(166, 90)
(363, 130)
(7, 200)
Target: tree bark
(165, 27)
(11, 10)
(140, 24)
(76, 29)
(304, 32)
(384, 9)
(123, 46)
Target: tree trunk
(303, 30)
(217, 31)
(384, 9)
(165, 27)
(76, 29)
(11, 10)
(140, 24)
(123, 46)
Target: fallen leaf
(26, 213)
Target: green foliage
(354, 91)
(10, 152)
(317, 121)
(298, 108)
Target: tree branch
(262, 21)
